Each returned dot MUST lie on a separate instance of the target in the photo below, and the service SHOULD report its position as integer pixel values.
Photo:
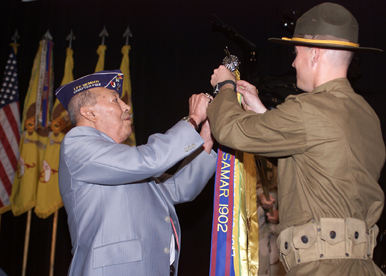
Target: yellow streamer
(245, 228)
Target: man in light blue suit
(119, 202)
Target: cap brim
(327, 46)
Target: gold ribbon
(246, 228)
(320, 41)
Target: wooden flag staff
(15, 37)
(70, 38)
(263, 179)
(53, 242)
(46, 36)
(26, 243)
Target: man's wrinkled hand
(198, 103)
(207, 136)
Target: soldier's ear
(315, 54)
(87, 112)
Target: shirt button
(166, 250)
(186, 149)
(194, 146)
(167, 219)
(190, 147)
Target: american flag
(9, 129)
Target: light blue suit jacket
(118, 211)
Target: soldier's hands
(250, 99)
(275, 218)
(221, 74)
(266, 203)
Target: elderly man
(119, 202)
(329, 144)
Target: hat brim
(327, 46)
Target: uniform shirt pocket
(117, 253)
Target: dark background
(174, 51)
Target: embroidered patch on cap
(109, 79)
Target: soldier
(329, 144)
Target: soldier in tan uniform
(329, 144)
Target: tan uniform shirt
(330, 148)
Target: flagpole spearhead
(70, 38)
(15, 37)
(127, 34)
(47, 35)
(103, 34)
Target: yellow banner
(34, 137)
(48, 195)
(245, 228)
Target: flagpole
(101, 51)
(70, 38)
(263, 181)
(26, 243)
(53, 243)
(6, 204)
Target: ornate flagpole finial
(70, 38)
(47, 35)
(104, 34)
(127, 34)
(230, 61)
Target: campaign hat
(112, 79)
(327, 25)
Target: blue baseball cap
(112, 79)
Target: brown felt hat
(326, 25)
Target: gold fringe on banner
(246, 228)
